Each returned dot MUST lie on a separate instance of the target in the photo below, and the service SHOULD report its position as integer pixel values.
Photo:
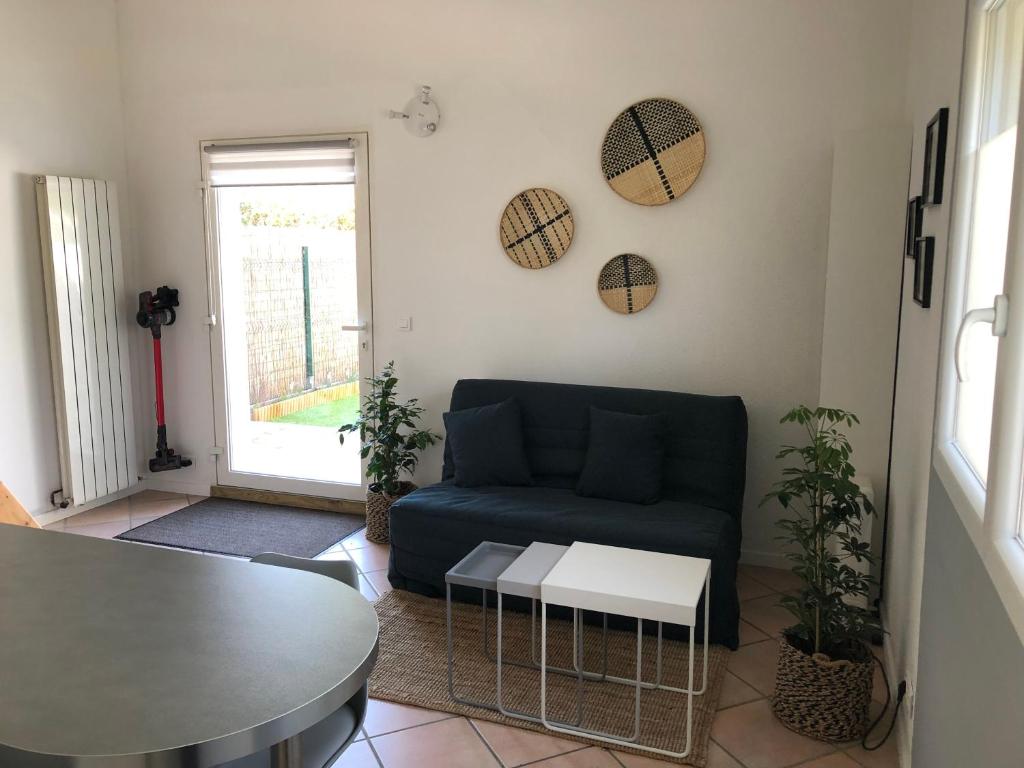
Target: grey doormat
(247, 528)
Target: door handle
(995, 315)
(360, 327)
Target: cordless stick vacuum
(155, 311)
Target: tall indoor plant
(823, 681)
(391, 438)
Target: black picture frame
(935, 158)
(924, 259)
(914, 226)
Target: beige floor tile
(754, 664)
(779, 579)
(446, 744)
(372, 557)
(386, 716)
(356, 541)
(147, 496)
(735, 691)
(358, 755)
(588, 757)
(334, 554)
(100, 530)
(717, 758)
(58, 526)
(366, 589)
(379, 580)
(766, 614)
(750, 634)
(157, 507)
(515, 746)
(885, 756)
(113, 512)
(753, 736)
(195, 499)
(748, 588)
(837, 760)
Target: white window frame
(992, 517)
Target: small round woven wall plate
(653, 152)
(627, 283)
(536, 228)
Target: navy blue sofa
(699, 514)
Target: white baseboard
(767, 559)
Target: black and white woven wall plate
(627, 283)
(653, 152)
(536, 228)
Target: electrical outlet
(405, 323)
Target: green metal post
(307, 316)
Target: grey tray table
(522, 579)
(479, 569)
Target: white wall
(858, 351)
(61, 114)
(527, 90)
(936, 49)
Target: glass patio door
(288, 231)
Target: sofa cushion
(487, 445)
(705, 449)
(625, 456)
(526, 514)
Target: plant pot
(821, 698)
(378, 507)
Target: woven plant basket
(821, 698)
(378, 506)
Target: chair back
(341, 570)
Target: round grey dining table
(117, 655)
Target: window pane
(990, 216)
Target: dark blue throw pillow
(487, 445)
(625, 457)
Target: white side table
(628, 582)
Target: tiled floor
(744, 735)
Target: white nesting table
(628, 582)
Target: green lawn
(332, 414)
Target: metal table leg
(451, 655)
(568, 728)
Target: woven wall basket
(627, 283)
(821, 698)
(378, 508)
(536, 228)
(653, 152)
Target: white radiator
(88, 315)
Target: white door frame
(225, 475)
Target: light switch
(405, 323)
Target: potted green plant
(825, 668)
(391, 438)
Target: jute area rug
(412, 669)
